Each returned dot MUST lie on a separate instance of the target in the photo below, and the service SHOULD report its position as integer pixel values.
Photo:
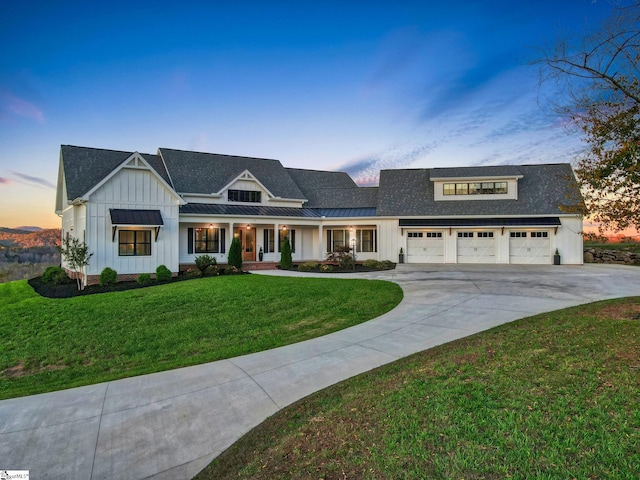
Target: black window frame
(372, 242)
(475, 188)
(244, 196)
(139, 247)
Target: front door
(247, 238)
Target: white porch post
(276, 236)
(320, 244)
(230, 238)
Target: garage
(529, 248)
(476, 247)
(425, 247)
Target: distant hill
(30, 229)
(20, 237)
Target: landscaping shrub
(342, 256)
(163, 274)
(326, 268)
(376, 265)
(144, 279)
(212, 271)
(108, 276)
(286, 262)
(235, 254)
(308, 266)
(205, 261)
(193, 272)
(56, 276)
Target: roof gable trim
(246, 176)
(134, 162)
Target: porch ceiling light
(248, 227)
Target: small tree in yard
(76, 254)
(235, 254)
(286, 262)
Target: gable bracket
(113, 233)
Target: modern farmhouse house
(136, 211)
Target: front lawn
(547, 397)
(50, 344)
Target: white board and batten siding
(132, 189)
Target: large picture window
(209, 240)
(291, 235)
(134, 243)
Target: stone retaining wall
(597, 255)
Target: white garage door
(425, 247)
(529, 248)
(476, 247)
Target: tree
(235, 254)
(600, 83)
(286, 262)
(76, 254)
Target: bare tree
(600, 92)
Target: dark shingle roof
(85, 167)
(479, 172)
(357, 197)
(543, 190)
(194, 172)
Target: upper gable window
(249, 196)
(475, 188)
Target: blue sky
(356, 86)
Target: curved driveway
(172, 424)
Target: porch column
(230, 237)
(320, 244)
(276, 237)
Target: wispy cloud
(12, 106)
(5, 181)
(36, 181)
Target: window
(134, 243)
(465, 234)
(485, 234)
(539, 234)
(366, 240)
(414, 234)
(518, 234)
(434, 234)
(337, 238)
(269, 244)
(209, 240)
(249, 196)
(484, 188)
(291, 235)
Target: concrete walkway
(172, 424)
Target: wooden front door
(248, 241)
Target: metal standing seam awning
(121, 217)
(553, 222)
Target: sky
(356, 86)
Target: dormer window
(475, 188)
(248, 196)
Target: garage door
(529, 248)
(476, 247)
(425, 247)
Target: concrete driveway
(172, 424)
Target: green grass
(552, 396)
(50, 344)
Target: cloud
(11, 106)
(5, 181)
(37, 181)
